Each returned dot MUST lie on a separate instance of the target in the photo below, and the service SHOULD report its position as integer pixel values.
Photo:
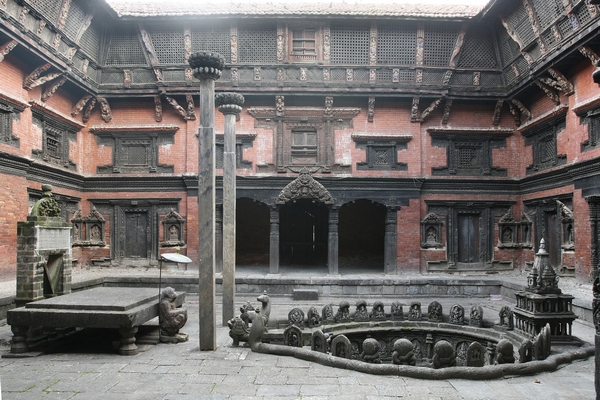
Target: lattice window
(338, 75)
(257, 44)
(508, 47)
(55, 140)
(467, 158)
(212, 39)
(350, 44)
(544, 145)
(439, 44)
(384, 75)
(565, 27)
(361, 75)
(168, 44)
(478, 50)
(74, 19)
(90, 40)
(125, 48)
(583, 14)
(548, 11)
(397, 44)
(520, 23)
(49, 9)
(112, 77)
(550, 40)
(489, 79)
(6, 135)
(382, 154)
(592, 119)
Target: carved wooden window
(304, 147)
(242, 141)
(304, 41)
(55, 140)
(134, 152)
(7, 113)
(543, 142)
(382, 152)
(592, 119)
(469, 154)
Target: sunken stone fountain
(428, 344)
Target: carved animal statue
(443, 355)
(265, 309)
(371, 351)
(171, 318)
(257, 329)
(403, 353)
(238, 330)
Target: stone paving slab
(182, 372)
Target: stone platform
(124, 309)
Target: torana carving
(304, 187)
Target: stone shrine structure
(543, 302)
(43, 252)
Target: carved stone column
(333, 241)
(230, 104)
(207, 68)
(274, 240)
(390, 247)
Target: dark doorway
(468, 238)
(303, 233)
(252, 232)
(362, 236)
(136, 235)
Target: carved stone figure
(476, 318)
(457, 314)
(434, 312)
(475, 355)
(341, 347)
(370, 351)
(238, 330)
(526, 351)
(443, 355)
(312, 317)
(378, 312)
(361, 314)
(327, 314)
(506, 318)
(296, 317)
(504, 352)
(292, 336)
(343, 313)
(171, 318)
(403, 353)
(414, 312)
(318, 341)
(396, 311)
(265, 308)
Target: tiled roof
(275, 8)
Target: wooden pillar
(230, 104)
(274, 240)
(390, 247)
(207, 68)
(333, 242)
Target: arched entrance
(362, 236)
(303, 233)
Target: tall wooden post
(207, 68)
(230, 104)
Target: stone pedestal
(43, 252)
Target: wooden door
(136, 235)
(468, 238)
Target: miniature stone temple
(542, 302)
(171, 318)
(43, 252)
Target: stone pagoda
(543, 302)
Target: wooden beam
(6, 48)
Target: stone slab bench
(119, 308)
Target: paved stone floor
(88, 369)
